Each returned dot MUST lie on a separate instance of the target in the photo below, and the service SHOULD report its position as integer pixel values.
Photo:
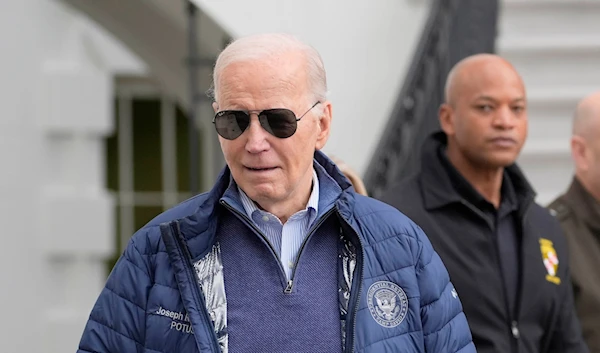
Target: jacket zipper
(251, 224)
(185, 255)
(354, 296)
(514, 325)
(512, 322)
(514, 316)
(290, 286)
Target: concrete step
(551, 109)
(583, 43)
(548, 167)
(556, 62)
(546, 148)
(549, 17)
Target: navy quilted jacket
(153, 302)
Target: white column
(20, 258)
(76, 217)
(74, 110)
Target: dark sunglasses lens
(279, 122)
(231, 124)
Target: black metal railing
(454, 30)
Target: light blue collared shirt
(286, 238)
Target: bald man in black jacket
(506, 255)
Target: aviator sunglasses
(279, 122)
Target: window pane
(147, 145)
(112, 155)
(144, 214)
(183, 153)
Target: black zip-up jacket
(543, 319)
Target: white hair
(265, 45)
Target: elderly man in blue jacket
(282, 255)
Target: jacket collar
(437, 186)
(199, 229)
(584, 204)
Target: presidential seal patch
(387, 303)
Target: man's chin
(493, 161)
(258, 193)
(502, 161)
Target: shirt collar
(313, 201)
(508, 201)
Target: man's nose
(505, 118)
(256, 136)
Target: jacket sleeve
(567, 336)
(445, 325)
(117, 321)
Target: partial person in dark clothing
(578, 211)
(506, 255)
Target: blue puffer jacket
(400, 295)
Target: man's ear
(446, 117)
(580, 153)
(324, 124)
(215, 106)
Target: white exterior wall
(56, 102)
(366, 47)
(19, 181)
